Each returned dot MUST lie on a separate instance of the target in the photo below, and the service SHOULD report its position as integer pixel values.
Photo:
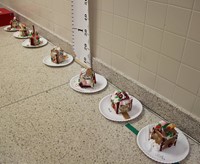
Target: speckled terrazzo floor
(42, 120)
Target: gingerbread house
(23, 31)
(164, 134)
(34, 39)
(87, 78)
(14, 23)
(121, 101)
(57, 55)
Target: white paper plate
(27, 44)
(100, 85)
(108, 112)
(16, 35)
(47, 61)
(170, 155)
(11, 30)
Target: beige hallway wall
(54, 15)
(156, 42)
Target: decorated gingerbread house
(87, 78)
(14, 23)
(23, 31)
(34, 38)
(57, 55)
(164, 135)
(121, 101)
